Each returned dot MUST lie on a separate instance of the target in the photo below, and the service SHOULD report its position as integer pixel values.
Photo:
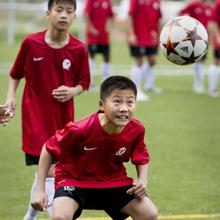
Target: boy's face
(119, 107)
(61, 16)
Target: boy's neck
(56, 39)
(108, 127)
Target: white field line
(168, 217)
(160, 70)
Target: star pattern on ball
(170, 47)
(192, 35)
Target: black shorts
(111, 200)
(99, 48)
(142, 51)
(217, 53)
(33, 159)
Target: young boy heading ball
(90, 173)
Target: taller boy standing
(55, 67)
(90, 173)
(97, 15)
(143, 39)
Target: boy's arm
(132, 38)
(7, 110)
(140, 184)
(11, 95)
(40, 199)
(90, 26)
(64, 93)
(142, 171)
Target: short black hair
(52, 2)
(116, 82)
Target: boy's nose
(123, 108)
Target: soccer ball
(183, 40)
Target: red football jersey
(146, 16)
(201, 11)
(99, 11)
(45, 69)
(88, 157)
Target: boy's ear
(101, 105)
(47, 12)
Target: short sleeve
(110, 13)
(187, 9)
(87, 9)
(140, 153)
(83, 78)
(17, 70)
(61, 145)
(132, 7)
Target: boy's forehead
(122, 92)
(62, 2)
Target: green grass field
(182, 136)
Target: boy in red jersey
(90, 173)
(143, 39)
(202, 11)
(213, 69)
(97, 14)
(55, 67)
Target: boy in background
(143, 39)
(90, 173)
(202, 11)
(55, 67)
(97, 14)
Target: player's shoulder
(76, 41)
(36, 36)
(83, 124)
(137, 124)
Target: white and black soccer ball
(183, 40)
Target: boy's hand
(64, 93)
(138, 189)
(40, 201)
(5, 114)
(132, 38)
(93, 30)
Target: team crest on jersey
(156, 6)
(198, 10)
(141, 2)
(66, 64)
(121, 151)
(95, 5)
(208, 12)
(104, 5)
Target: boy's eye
(116, 101)
(69, 10)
